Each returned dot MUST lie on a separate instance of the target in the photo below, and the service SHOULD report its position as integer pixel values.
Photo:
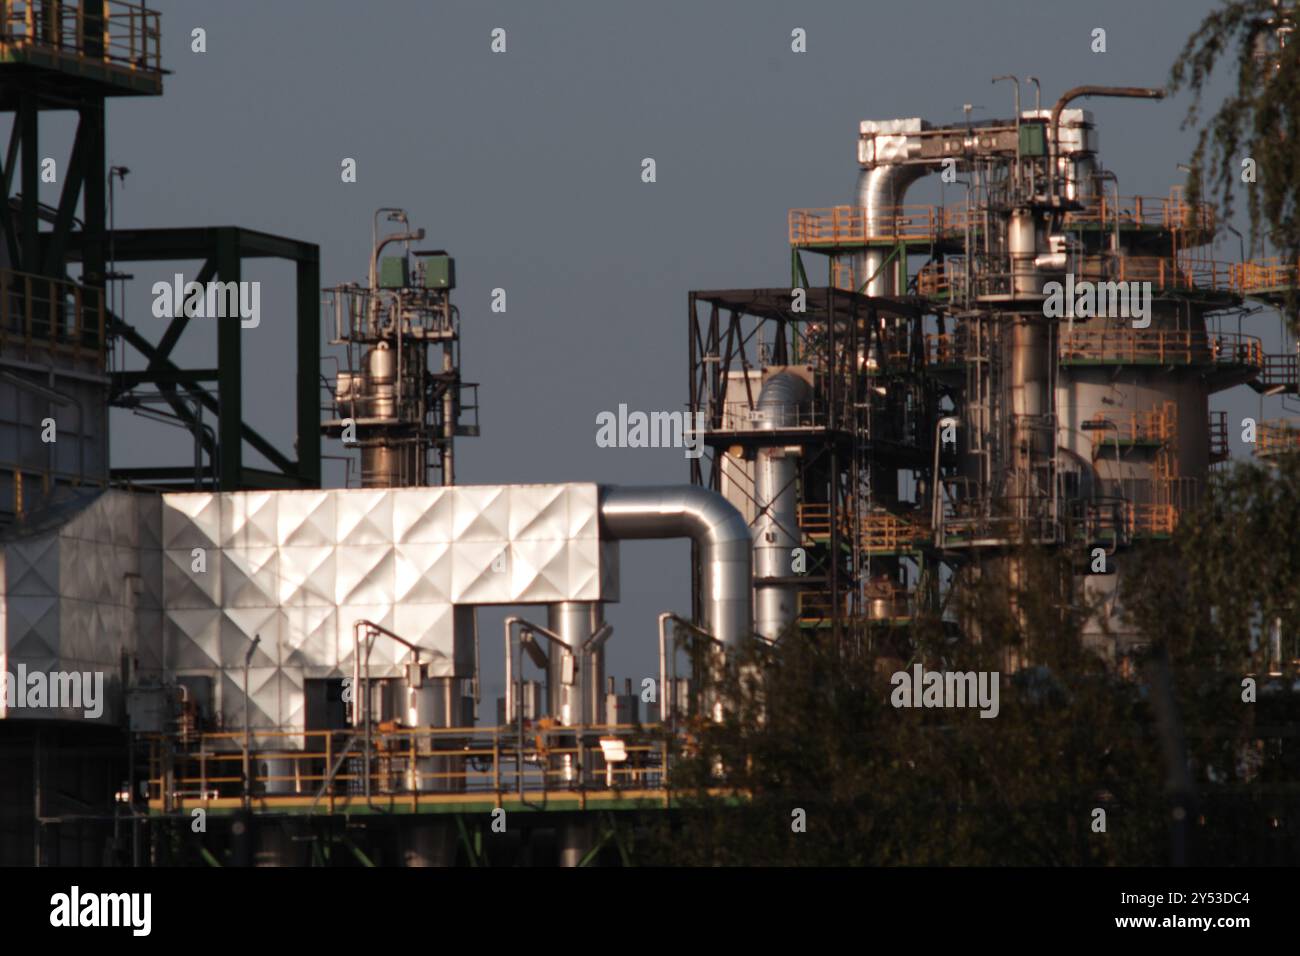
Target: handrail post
(496, 763)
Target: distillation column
(776, 496)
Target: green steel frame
(33, 80)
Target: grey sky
(526, 166)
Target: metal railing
(1147, 520)
(42, 312)
(1265, 275)
(1277, 437)
(849, 225)
(742, 416)
(1172, 212)
(876, 531)
(1154, 426)
(120, 33)
(1181, 273)
(1167, 347)
(327, 769)
(933, 282)
(1281, 370)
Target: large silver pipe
(880, 193)
(716, 527)
(1025, 242)
(776, 526)
(568, 680)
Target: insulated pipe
(572, 701)
(880, 193)
(716, 527)
(1053, 124)
(776, 526)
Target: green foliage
(901, 786)
(884, 786)
(1259, 119)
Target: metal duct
(776, 527)
(880, 193)
(573, 701)
(716, 527)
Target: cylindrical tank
(776, 524)
(280, 775)
(432, 702)
(391, 455)
(574, 696)
(381, 382)
(1029, 394)
(1169, 408)
(1026, 240)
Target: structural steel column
(94, 201)
(308, 290)
(229, 376)
(31, 244)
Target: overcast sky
(527, 167)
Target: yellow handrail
(129, 37)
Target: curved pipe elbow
(708, 519)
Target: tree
(1257, 122)
(883, 785)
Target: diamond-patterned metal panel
(423, 515)
(191, 521)
(298, 568)
(32, 567)
(248, 520)
(306, 519)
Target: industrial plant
(298, 667)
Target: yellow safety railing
(121, 33)
(886, 532)
(46, 313)
(917, 222)
(1152, 519)
(1277, 437)
(1146, 346)
(815, 519)
(1264, 275)
(327, 768)
(877, 531)
(849, 225)
(1156, 426)
(1173, 212)
(932, 281)
(1188, 274)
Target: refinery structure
(935, 387)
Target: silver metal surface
(184, 582)
(880, 192)
(717, 528)
(776, 495)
